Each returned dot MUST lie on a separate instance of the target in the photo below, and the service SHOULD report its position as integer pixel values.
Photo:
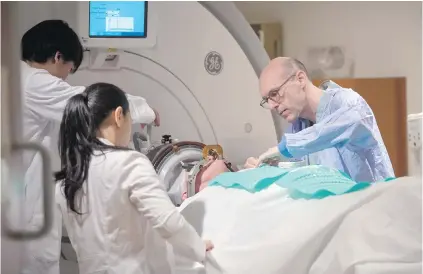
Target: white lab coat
(45, 97)
(122, 197)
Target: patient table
(373, 231)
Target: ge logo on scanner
(213, 63)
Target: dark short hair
(41, 43)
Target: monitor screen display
(118, 19)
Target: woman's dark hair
(83, 115)
(41, 43)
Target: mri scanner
(198, 63)
(198, 76)
(195, 74)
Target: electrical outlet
(414, 140)
(415, 131)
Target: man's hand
(251, 163)
(268, 155)
(157, 120)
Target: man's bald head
(285, 66)
(283, 85)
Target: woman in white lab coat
(109, 194)
(50, 51)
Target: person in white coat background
(109, 195)
(50, 51)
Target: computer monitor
(118, 19)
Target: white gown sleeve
(148, 195)
(141, 112)
(47, 95)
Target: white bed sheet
(377, 230)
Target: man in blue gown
(330, 125)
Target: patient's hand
(251, 163)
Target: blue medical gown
(345, 137)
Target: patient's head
(211, 170)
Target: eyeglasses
(274, 95)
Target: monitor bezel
(116, 37)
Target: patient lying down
(303, 182)
(273, 220)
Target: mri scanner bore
(244, 225)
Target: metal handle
(149, 130)
(47, 198)
(138, 138)
(148, 133)
(193, 176)
(144, 136)
(187, 166)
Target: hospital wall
(385, 38)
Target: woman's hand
(209, 245)
(157, 120)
